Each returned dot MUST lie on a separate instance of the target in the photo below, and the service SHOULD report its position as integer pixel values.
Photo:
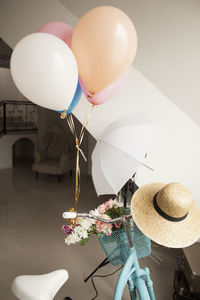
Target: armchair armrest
(39, 156)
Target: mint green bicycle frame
(138, 280)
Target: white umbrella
(119, 152)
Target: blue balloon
(75, 100)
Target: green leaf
(116, 212)
(84, 241)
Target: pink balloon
(108, 93)
(59, 29)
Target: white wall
(174, 151)
(91, 145)
(175, 147)
(22, 17)
(8, 90)
(6, 143)
(168, 45)
(168, 38)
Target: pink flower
(108, 233)
(103, 227)
(117, 225)
(109, 204)
(100, 226)
(105, 206)
(102, 208)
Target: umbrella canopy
(119, 152)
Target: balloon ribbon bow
(78, 142)
(63, 115)
(90, 94)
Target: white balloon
(45, 71)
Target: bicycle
(139, 282)
(140, 286)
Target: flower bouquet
(112, 237)
(83, 227)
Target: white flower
(85, 223)
(115, 202)
(72, 238)
(80, 232)
(83, 234)
(85, 226)
(94, 212)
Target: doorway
(23, 152)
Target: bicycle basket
(117, 248)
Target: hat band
(163, 214)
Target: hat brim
(167, 233)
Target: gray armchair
(57, 157)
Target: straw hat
(166, 214)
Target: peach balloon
(108, 93)
(104, 43)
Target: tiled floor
(31, 240)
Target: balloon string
(78, 176)
(85, 123)
(78, 142)
(77, 186)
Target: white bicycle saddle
(39, 287)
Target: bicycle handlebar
(73, 215)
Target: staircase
(17, 117)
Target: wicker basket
(117, 248)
